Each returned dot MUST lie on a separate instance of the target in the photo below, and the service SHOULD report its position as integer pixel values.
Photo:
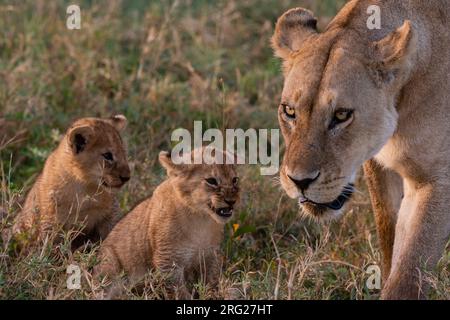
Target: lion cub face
(97, 152)
(212, 189)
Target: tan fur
(386, 206)
(77, 185)
(177, 229)
(397, 82)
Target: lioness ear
(394, 54)
(119, 121)
(291, 31)
(80, 137)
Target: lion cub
(179, 229)
(77, 184)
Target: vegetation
(164, 64)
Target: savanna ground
(164, 64)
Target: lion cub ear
(119, 121)
(394, 54)
(291, 31)
(172, 169)
(80, 137)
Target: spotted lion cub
(179, 229)
(77, 184)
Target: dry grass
(165, 64)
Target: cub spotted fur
(77, 184)
(179, 229)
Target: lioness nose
(304, 182)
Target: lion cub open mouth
(225, 212)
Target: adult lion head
(338, 105)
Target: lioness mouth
(336, 204)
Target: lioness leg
(422, 231)
(386, 190)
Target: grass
(164, 64)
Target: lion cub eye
(289, 111)
(212, 182)
(108, 156)
(235, 181)
(340, 116)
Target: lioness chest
(408, 159)
(391, 154)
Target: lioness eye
(235, 180)
(289, 111)
(212, 181)
(340, 116)
(108, 156)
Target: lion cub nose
(124, 179)
(230, 202)
(303, 182)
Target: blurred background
(164, 64)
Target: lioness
(178, 229)
(77, 184)
(353, 95)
